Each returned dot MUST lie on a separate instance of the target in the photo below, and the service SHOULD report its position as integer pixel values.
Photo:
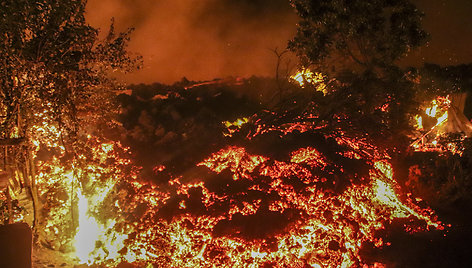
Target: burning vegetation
(309, 171)
(284, 194)
(279, 189)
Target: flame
(331, 235)
(437, 106)
(88, 231)
(437, 112)
(94, 240)
(442, 119)
(232, 127)
(431, 111)
(419, 122)
(305, 76)
(89, 188)
(238, 123)
(121, 218)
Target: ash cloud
(199, 39)
(207, 39)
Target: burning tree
(357, 45)
(54, 89)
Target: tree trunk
(4, 183)
(34, 191)
(9, 207)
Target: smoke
(448, 23)
(199, 39)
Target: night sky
(449, 24)
(207, 39)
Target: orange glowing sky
(207, 39)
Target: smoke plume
(199, 39)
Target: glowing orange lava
(310, 206)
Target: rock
(15, 246)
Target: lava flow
(287, 195)
(246, 210)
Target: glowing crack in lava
(255, 211)
(312, 205)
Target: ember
(306, 76)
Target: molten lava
(310, 205)
(257, 211)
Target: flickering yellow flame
(419, 122)
(438, 111)
(307, 76)
(431, 111)
(88, 231)
(94, 240)
(442, 118)
(303, 76)
(232, 127)
(238, 123)
(438, 106)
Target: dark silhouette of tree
(357, 35)
(357, 45)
